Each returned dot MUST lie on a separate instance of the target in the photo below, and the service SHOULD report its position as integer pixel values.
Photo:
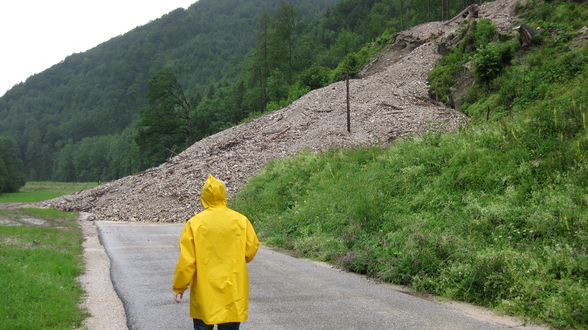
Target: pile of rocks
(390, 101)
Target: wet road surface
(285, 292)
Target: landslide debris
(388, 102)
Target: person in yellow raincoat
(215, 246)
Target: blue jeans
(199, 325)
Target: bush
(489, 61)
(441, 79)
(315, 77)
(489, 58)
(569, 13)
(348, 67)
(477, 35)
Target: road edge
(100, 300)
(477, 312)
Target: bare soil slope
(390, 101)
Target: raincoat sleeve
(252, 243)
(186, 266)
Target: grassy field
(495, 214)
(39, 265)
(40, 191)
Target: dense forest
(139, 98)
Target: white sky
(36, 34)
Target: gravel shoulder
(101, 301)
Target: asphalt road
(285, 292)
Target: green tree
(63, 167)
(261, 61)
(11, 179)
(165, 126)
(283, 39)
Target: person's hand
(179, 297)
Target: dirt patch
(12, 241)
(12, 216)
(404, 43)
(391, 101)
(17, 219)
(14, 206)
(6, 221)
(33, 221)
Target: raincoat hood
(214, 193)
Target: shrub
(489, 61)
(349, 66)
(315, 77)
(477, 35)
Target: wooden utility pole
(348, 105)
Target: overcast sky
(35, 34)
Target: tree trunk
(526, 33)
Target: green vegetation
(39, 269)
(40, 191)
(165, 125)
(495, 214)
(10, 176)
(481, 46)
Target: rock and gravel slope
(390, 101)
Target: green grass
(39, 267)
(495, 214)
(40, 191)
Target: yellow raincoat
(214, 247)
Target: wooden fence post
(348, 105)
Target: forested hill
(100, 91)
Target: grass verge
(39, 266)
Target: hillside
(100, 92)
(495, 213)
(389, 103)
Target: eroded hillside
(390, 101)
